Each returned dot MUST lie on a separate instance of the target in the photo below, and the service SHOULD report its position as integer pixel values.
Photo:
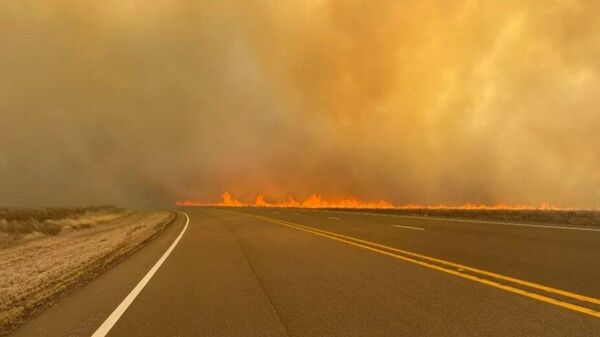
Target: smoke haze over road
(142, 103)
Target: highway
(298, 272)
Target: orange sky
(423, 102)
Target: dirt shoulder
(37, 267)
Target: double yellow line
(477, 275)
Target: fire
(227, 200)
(317, 201)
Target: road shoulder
(79, 313)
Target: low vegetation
(19, 224)
(44, 253)
(564, 217)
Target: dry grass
(574, 218)
(17, 225)
(48, 252)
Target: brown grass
(564, 217)
(50, 251)
(20, 224)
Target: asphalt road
(287, 272)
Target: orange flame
(316, 201)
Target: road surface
(290, 272)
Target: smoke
(143, 103)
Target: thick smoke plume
(145, 102)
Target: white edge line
(410, 227)
(501, 223)
(588, 229)
(104, 329)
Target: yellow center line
(395, 253)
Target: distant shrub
(8, 227)
(23, 221)
(17, 227)
(24, 214)
(82, 226)
(48, 228)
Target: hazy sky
(140, 103)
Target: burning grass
(313, 201)
(542, 213)
(47, 252)
(317, 201)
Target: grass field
(44, 253)
(22, 224)
(565, 217)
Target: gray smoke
(144, 103)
